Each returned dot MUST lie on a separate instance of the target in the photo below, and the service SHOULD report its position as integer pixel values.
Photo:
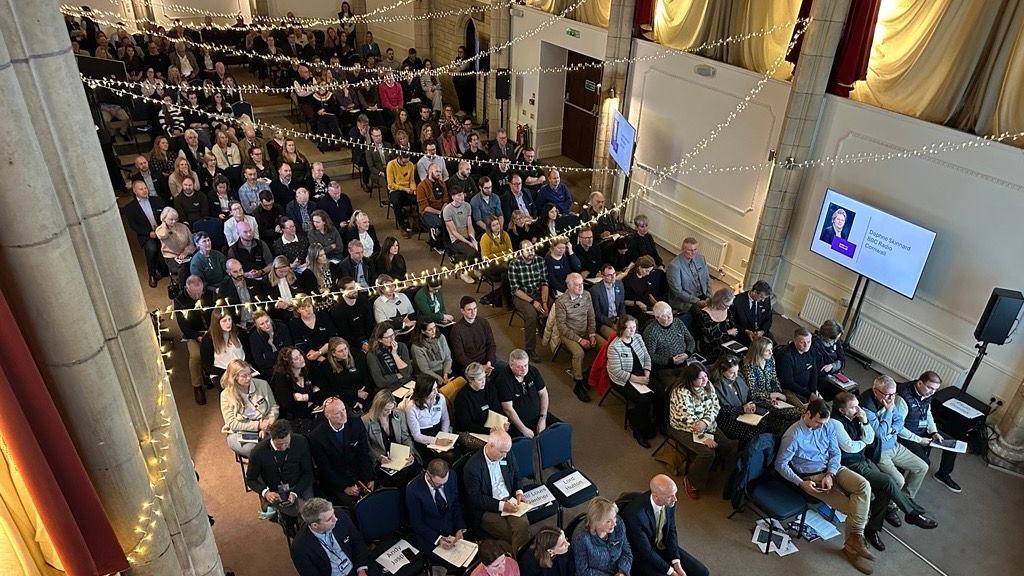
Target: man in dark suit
(239, 288)
(357, 267)
(281, 472)
(608, 297)
(753, 312)
(341, 451)
(651, 528)
(519, 198)
(434, 510)
(796, 365)
(193, 325)
(492, 486)
(329, 544)
(283, 186)
(155, 182)
(143, 215)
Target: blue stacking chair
(379, 517)
(522, 451)
(755, 485)
(555, 447)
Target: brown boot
(863, 565)
(856, 543)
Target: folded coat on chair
(598, 378)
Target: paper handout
(523, 508)
(495, 420)
(441, 437)
(750, 419)
(459, 555)
(398, 456)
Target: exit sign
(572, 32)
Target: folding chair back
(522, 450)
(555, 445)
(379, 513)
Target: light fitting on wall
(704, 70)
(611, 92)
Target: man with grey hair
(474, 401)
(670, 345)
(688, 278)
(577, 328)
(493, 486)
(523, 395)
(887, 414)
(329, 545)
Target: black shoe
(875, 539)
(921, 521)
(948, 483)
(152, 281)
(200, 395)
(643, 442)
(892, 516)
(580, 390)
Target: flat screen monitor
(623, 141)
(873, 243)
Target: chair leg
(625, 416)
(660, 446)
(605, 395)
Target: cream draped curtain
(594, 12)
(685, 24)
(953, 62)
(25, 547)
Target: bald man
(492, 486)
(238, 288)
(651, 528)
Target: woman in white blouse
(426, 412)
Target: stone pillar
(109, 361)
(620, 38)
(500, 23)
(358, 8)
(423, 29)
(1008, 450)
(799, 128)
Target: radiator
(818, 307)
(895, 351)
(901, 355)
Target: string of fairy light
(479, 264)
(449, 69)
(369, 81)
(192, 11)
(285, 23)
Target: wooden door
(581, 109)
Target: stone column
(613, 76)
(423, 29)
(499, 22)
(109, 298)
(1008, 450)
(799, 128)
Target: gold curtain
(25, 547)
(594, 12)
(684, 24)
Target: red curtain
(40, 445)
(851, 62)
(643, 13)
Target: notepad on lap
(399, 455)
(750, 419)
(459, 555)
(495, 420)
(524, 507)
(444, 436)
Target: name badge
(485, 408)
(502, 463)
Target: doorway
(581, 109)
(465, 86)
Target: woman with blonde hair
(182, 170)
(297, 160)
(311, 331)
(284, 287)
(386, 425)
(208, 172)
(716, 324)
(520, 227)
(225, 151)
(758, 369)
(176, 244)
(222, 344)
(602, 549)
(360, 228)
(248, 407)
(321, 275)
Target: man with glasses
(608, 296)
(588, 254)
(887, 414)
(919, 429)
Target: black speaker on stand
(997, 322)
(502, 92)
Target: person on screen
(838, 227)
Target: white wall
(673, 108)
(972, 199)
(541, 49)
(305, 9)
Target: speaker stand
(982, 351)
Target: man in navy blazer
(492, 486)
(753, 312)
(341, 452)
(608, 309)
(656, 552)
(328, 541)
(518, 198)
(434, 510)
(143, 216)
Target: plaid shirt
(528, 276)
